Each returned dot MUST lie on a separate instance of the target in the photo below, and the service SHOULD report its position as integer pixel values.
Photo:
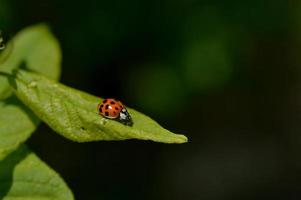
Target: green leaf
(24, 176)
(37, 48)
(2, 45)
(16, 124)
(74, 114)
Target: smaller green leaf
(24, 176)
(74, 114)
(16, 125)
(37, 48)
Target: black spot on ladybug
(116, 108)
(120, 107)
(114, 113)
(105, 101)
(112, 102)
(101, 105)
(107, 107)
(106, 113)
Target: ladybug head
(125, 118)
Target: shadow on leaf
(17, 124)
(7, 167)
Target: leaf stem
(5, 74)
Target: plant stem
(5, 74)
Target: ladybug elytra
(113, 109)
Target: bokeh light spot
(207, 65)
(157, 88)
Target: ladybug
(113, 109)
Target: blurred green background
(225, 73)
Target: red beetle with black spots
(113, 109)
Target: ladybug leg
(103, 121)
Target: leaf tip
(181, 139)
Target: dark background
(224, 73)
